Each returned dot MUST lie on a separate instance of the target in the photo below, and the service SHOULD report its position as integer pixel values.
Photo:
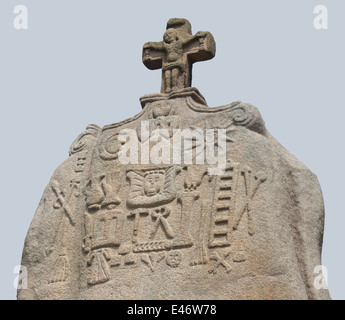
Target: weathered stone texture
(108, 230)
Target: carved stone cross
(177, 52)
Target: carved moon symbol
(110, 146)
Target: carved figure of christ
(176, 54)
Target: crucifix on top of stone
(177, 52)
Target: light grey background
(80, 63)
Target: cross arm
(201, 47)
(153, 55)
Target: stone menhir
(155, 217)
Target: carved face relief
(170, 35)
(174, 259)
(161, 110)
(153, 184)
(151, 188)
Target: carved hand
(148, 45)
(201, 34)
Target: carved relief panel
(165, 217)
